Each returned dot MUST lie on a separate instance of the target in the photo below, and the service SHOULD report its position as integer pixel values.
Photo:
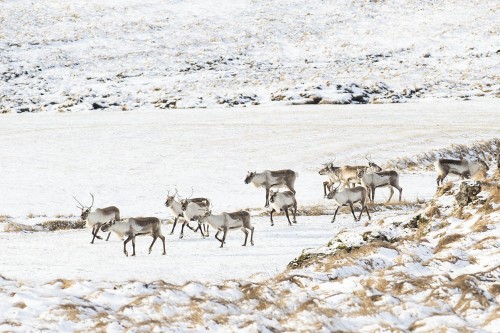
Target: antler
(369, 159)
(81, 206)
(92, 204)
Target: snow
(113, 81)
(134, 54)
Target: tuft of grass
(447, 240)
(4, 218)
(18, 227)
(55, 225)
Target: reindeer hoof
(332, 221)
(126, 254)
(171, 233)
(251, 243)
(98, 237)
(181, 237)
(133, 255)
(164, 253)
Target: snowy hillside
(135, 54)
(427, 269)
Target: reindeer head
(360, 173)
(326, 169)
(272, 195)
(85, 210)
(184, 204)
(249, 177)
(105, 227)
(170, 198)
(333, 192)
(374, 167)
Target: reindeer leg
(294, 211)
(95, 229)
(400, 193)
(334, 215)
(390, 196)
(362, 208)
(133, 246)
(287, 217)
(216, 234)
(352, 210)
(182, 230)
(272, 222)
(163, 240)
(175, 223)
(251, 236)
(267, 197)
(366, 208)
(223, 238)
(151, 246)
(325, 184)
(206, 230)
(107, 238)
(246, 235)
(125, 244)
(373, 194)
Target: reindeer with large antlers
(175, 208)
(99, 216)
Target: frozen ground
(131, 159)
(122, 55)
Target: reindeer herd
(355, 184)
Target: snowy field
(130, 99)
(131, 159)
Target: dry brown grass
(460, 214)
(444, 189)
(482, 225)
(447, 240)
(18, 227)
(4, 218)
(64, 283)
(20, 305)
(471, 294)
(71, 311)
(432, 211)
(55, 225)
(486, 243)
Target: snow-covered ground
(81, 55)
(131, 159)
(422, 265)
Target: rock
(468, 192)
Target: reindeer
(268, 179)
(379, 179)
(137, 226)
(348, 196)
(329, 171)
(192, 211)
(97, 217)
(283, 201)
(176, 207)
(229, 221)
(346, 175)
(461, 167)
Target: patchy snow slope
(82, 55)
